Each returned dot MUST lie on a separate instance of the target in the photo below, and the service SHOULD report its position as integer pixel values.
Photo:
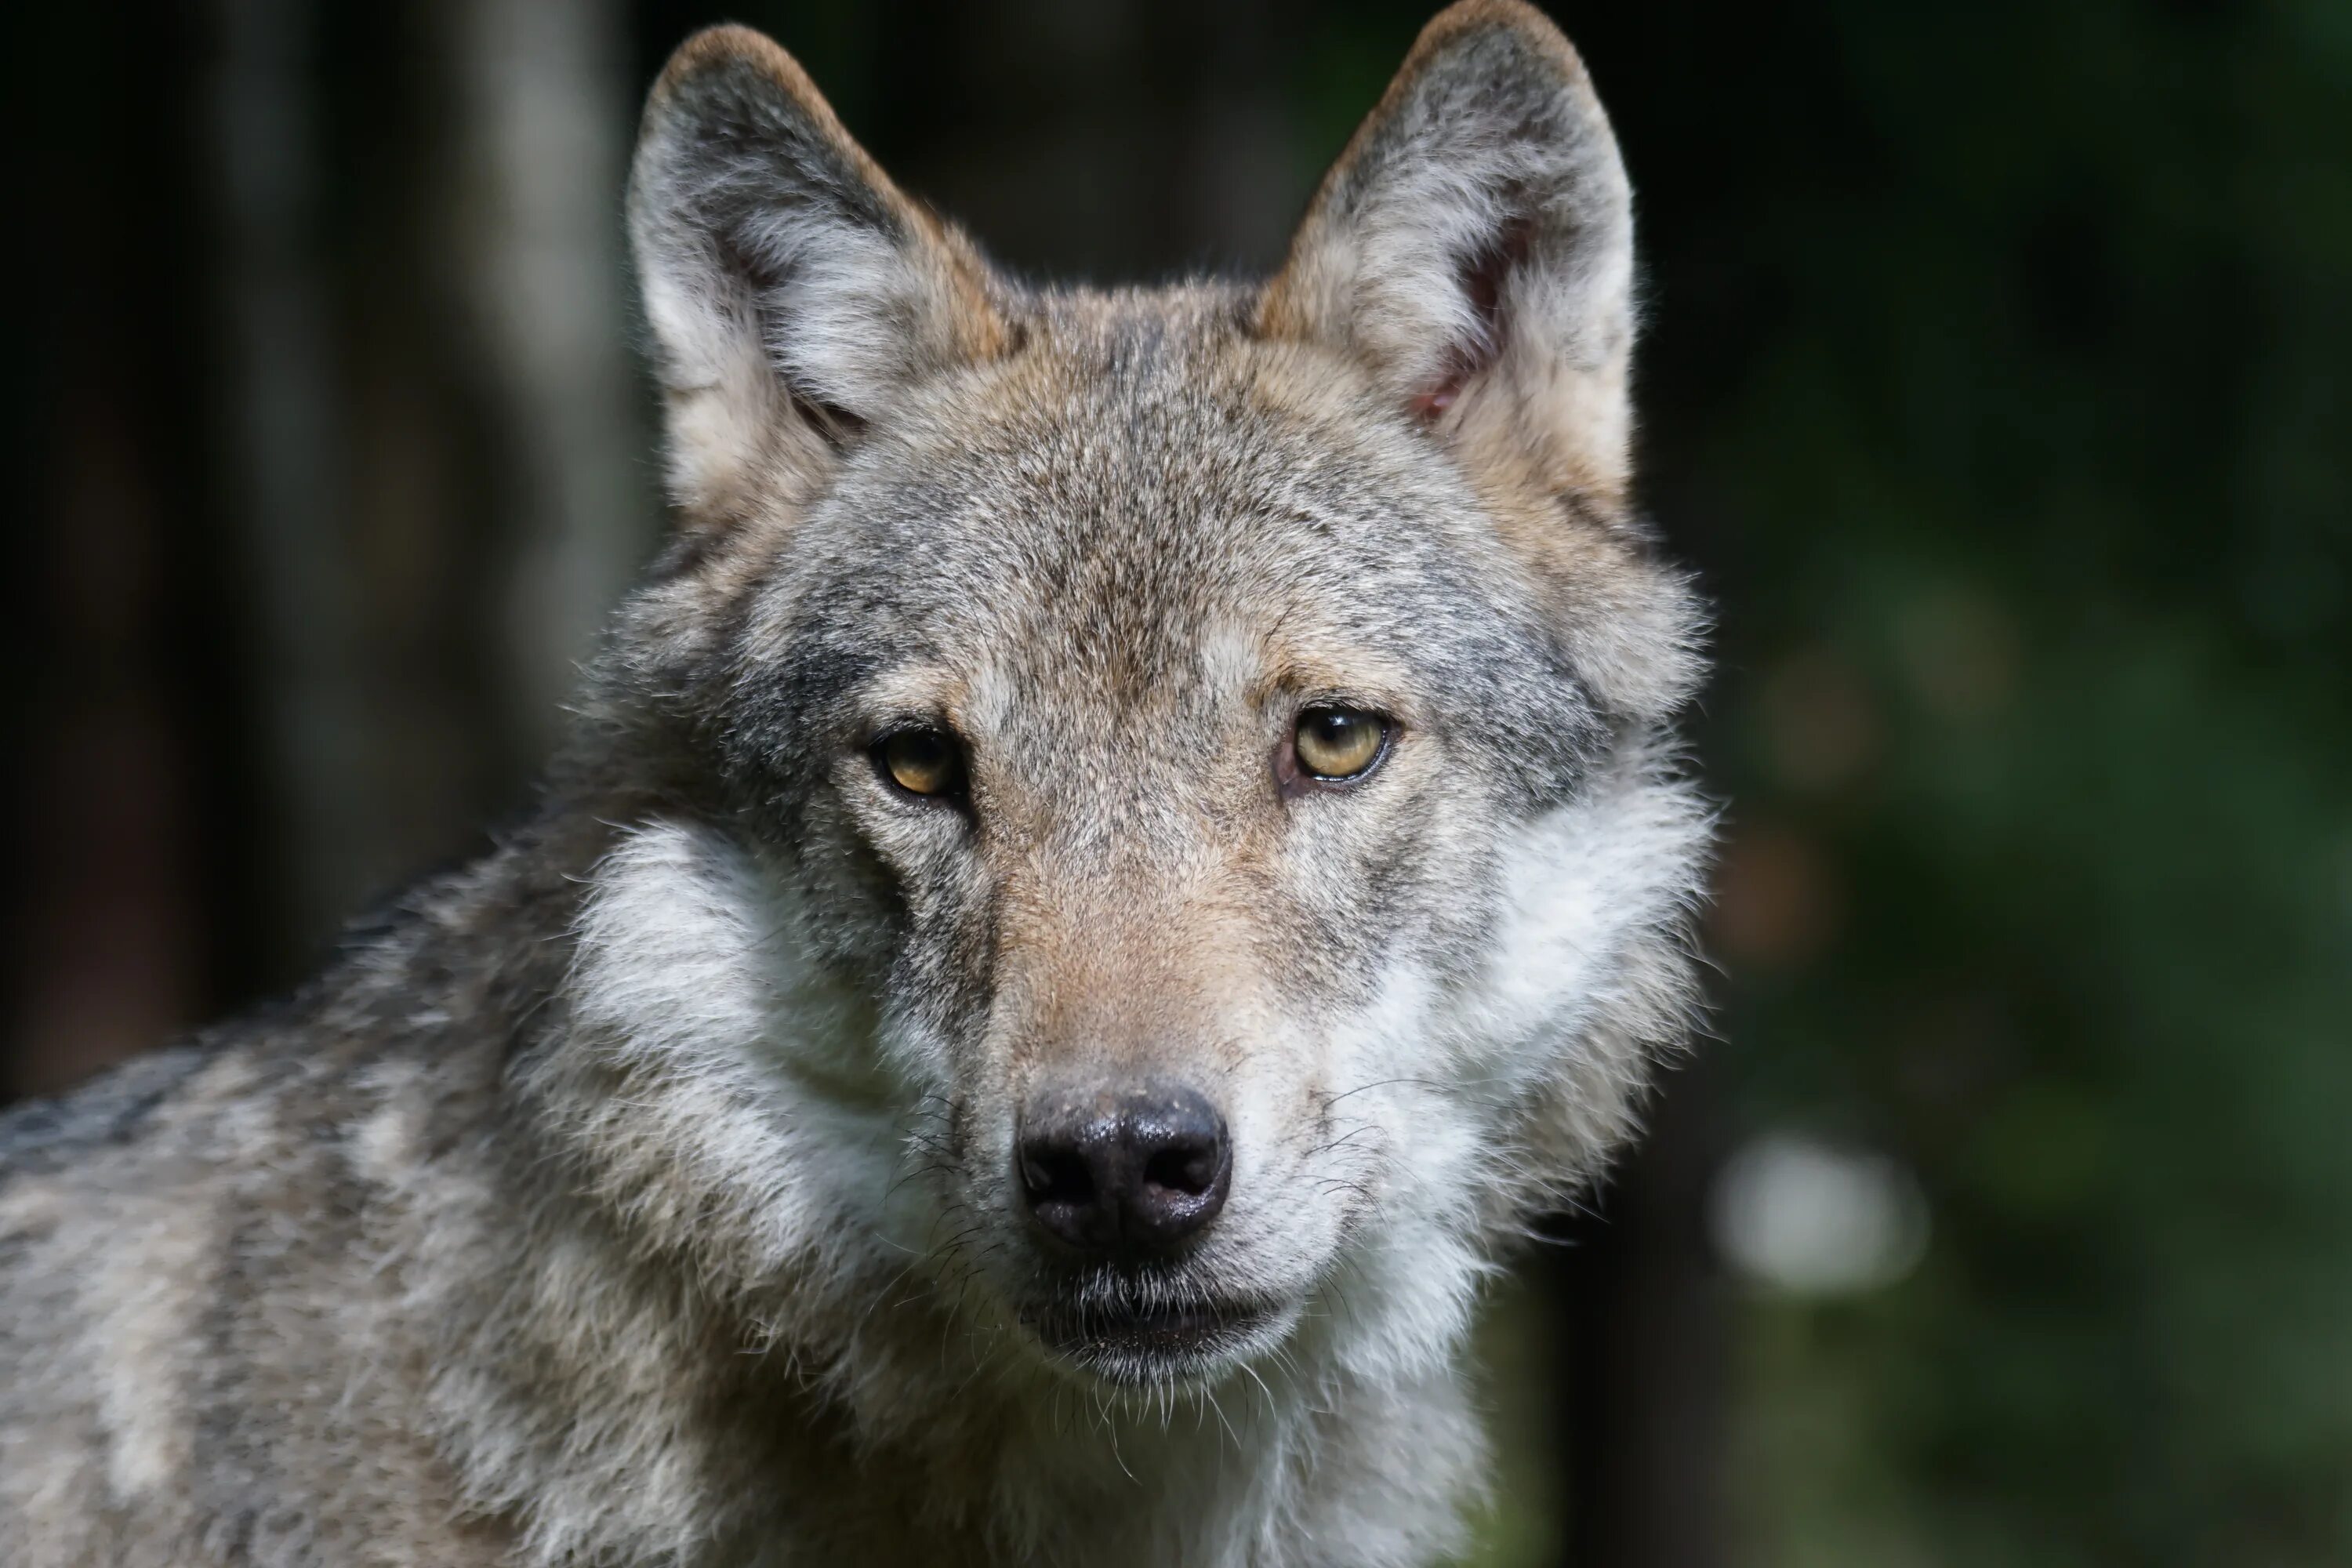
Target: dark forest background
(1995, 379)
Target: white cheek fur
(691, 976)
(1569, 1002)
(1615, 871)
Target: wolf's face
(1219, 731)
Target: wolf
(1126, 844)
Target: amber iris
(921, 761)
(1337, 743)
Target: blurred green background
(1994, 378)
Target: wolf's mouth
(1131, 1342)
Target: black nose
(1123, 1174)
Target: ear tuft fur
(794, 294)
(1473, 247)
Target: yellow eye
(1336, 743)
(921, 761)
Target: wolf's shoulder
(43, 1136)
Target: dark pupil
(1332, 729)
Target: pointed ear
(1474, 248)
(793, 293)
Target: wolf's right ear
(794, 294)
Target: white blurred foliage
(1794, 1215)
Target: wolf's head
(1172, 824)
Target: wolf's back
(203, 1356)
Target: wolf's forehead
(1161, 500)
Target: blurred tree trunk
(545, 113)
(284, 426)
(1646, 1390)
(436, 464)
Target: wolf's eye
(921, 761)
(1336, 744)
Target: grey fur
(640, 1195)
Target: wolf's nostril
(1190, 1171)
(1129, 1174)
(1056, 1176)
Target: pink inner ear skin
(1428, 406)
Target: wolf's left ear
(795, 295)
(1473, 246)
